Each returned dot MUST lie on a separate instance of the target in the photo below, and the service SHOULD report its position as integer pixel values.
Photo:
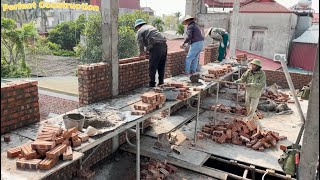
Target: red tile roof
(264, 6)
(225, 3)
(315, 18)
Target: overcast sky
(172, 6)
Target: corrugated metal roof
(264, 6)
(310, 36)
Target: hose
(264, 175)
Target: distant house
(265, 27)
(223, 5)
(147, 10)
(304, 49)
(125, 6)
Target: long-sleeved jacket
(256, 82)
(148, 36)
(193, 33)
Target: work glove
(222, 45)
(237, 81)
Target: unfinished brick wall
(94, 83)
(133, 73)
(100, 153)
(175, 63)
(19, 105)
(278, 77)
(211, 53)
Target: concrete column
(110, 11)
(190, 8)
(310, 144)
(234, 26)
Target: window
(256, 43)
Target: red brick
(257, 145)
(48, 163)
(13, 152)
(28, 164)
(68, 154)
(45, 145)
(57, 151)
(76, 142)
(28, 152)
(84, 137)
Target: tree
(13, 40)
(158, 23)
(180, 29)
(127, 46)
(178, 15)
(128, 20)
(170, 22)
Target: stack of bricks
(241, 133)
(157, 170)
(150, 101)
(184, 90)
(241, 57)
(277, 97)
(278, 77)
(216, 73)
(19, 105)
(175, 63)
(94, 83)
(211, 53)
(133, 73)
(234, 110)
(51, 143)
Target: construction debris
(51, 143)
(157, 170)
(6, 138)
(234, 110)
(241, 132)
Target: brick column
(175, 63)
(94, 83)
(19, 105)
(211, 53)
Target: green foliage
(13, 40)
(128, 20)
(180, 29)
(65, 34)
(127, 46)
(170, 22)
(158, 23)
(178, 15)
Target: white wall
(278, 35)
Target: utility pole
(234, 28)
(110, 11)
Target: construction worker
(150, 38)
(255, 80)
(195, 39)
(220, 35)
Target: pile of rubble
(51, 143)
(150, 101)
(157, 170)
(241, 132)
(234, 110)
(217, 72)
(277, 97)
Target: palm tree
(180, 29)
(158, 23)
(178, 15)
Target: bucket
(171, 94)
(74, 120)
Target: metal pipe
(293, 91)
(128, 140)
(197, 119)
(245, 173)
(138, 151)
(238, 86)
(215, 109)
(248, 167)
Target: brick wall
(211, 53)
(175, 63)
(19, 105)
(278, 77)
(104, 150)
(133, 73)
(94, 83)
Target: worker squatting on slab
(195, 39)
(220, 35)
(255, 80)
(150, 38)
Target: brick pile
(175, 63)
(150, 101)
(211, 53)
(51, 143)
(241, 133)
(234, 110)
(157, 170)
(19, 105)
(277, 97)
(217, 72)
(133, 73)
(184, 90)
(94, 83)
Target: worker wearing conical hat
(195, 39)
(255, 80)
(222, 36)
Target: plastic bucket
(171, 94)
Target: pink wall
(303, 56)
(130, 4)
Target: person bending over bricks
(195, 39)
(255, 80)
(150, 38)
